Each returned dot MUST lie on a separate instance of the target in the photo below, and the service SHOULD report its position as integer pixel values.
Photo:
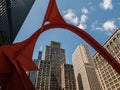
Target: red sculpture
(16, 59)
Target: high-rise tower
(42, 81)
(56, 55)
(32, 74)
(67, 77)
(12, 16)
(54, 73)
(86, 78)
(109, 78)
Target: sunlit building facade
(86, 78)
(67, 77)
(109, 79)
(12, 16)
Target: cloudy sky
(99, 18)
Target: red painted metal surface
(16, 59)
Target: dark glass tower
(12, 16)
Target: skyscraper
(54, 73)
(67, 77)
(56, 55)
(42, 81)
(109, 78)
(32, 74)
(41, 78)
(86, 78)
(12, 16)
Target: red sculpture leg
(15, 82)
(5, 65)
(4, 78)
(10, 55)
(18, 79)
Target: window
(118, 89)
(117, 84)
(118, 35)
(114, 39)
(107, 85)
(113, 77)
(113, 87)
(111, 83)
(108, 47)
(115, 81)
(119, 78)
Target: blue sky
(99, 18)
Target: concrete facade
(67, 77)
(109, 78)
(86, 78)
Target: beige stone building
(67, 77)
(109, 79)
(86, 78)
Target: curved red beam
(17, 58)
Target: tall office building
(86, 78)
(41, 78)
(42, 81)
(32, 74)
(12, 16)
(110, 80)
(67, 77)
(56, 55)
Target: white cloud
(84, 11)
(82, 26)
(106, 4)
(83, 18)
(73, 18)
(107, 27)
(70, 15)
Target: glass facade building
(12, 16)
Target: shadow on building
(80, 85)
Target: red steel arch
(15, 59)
